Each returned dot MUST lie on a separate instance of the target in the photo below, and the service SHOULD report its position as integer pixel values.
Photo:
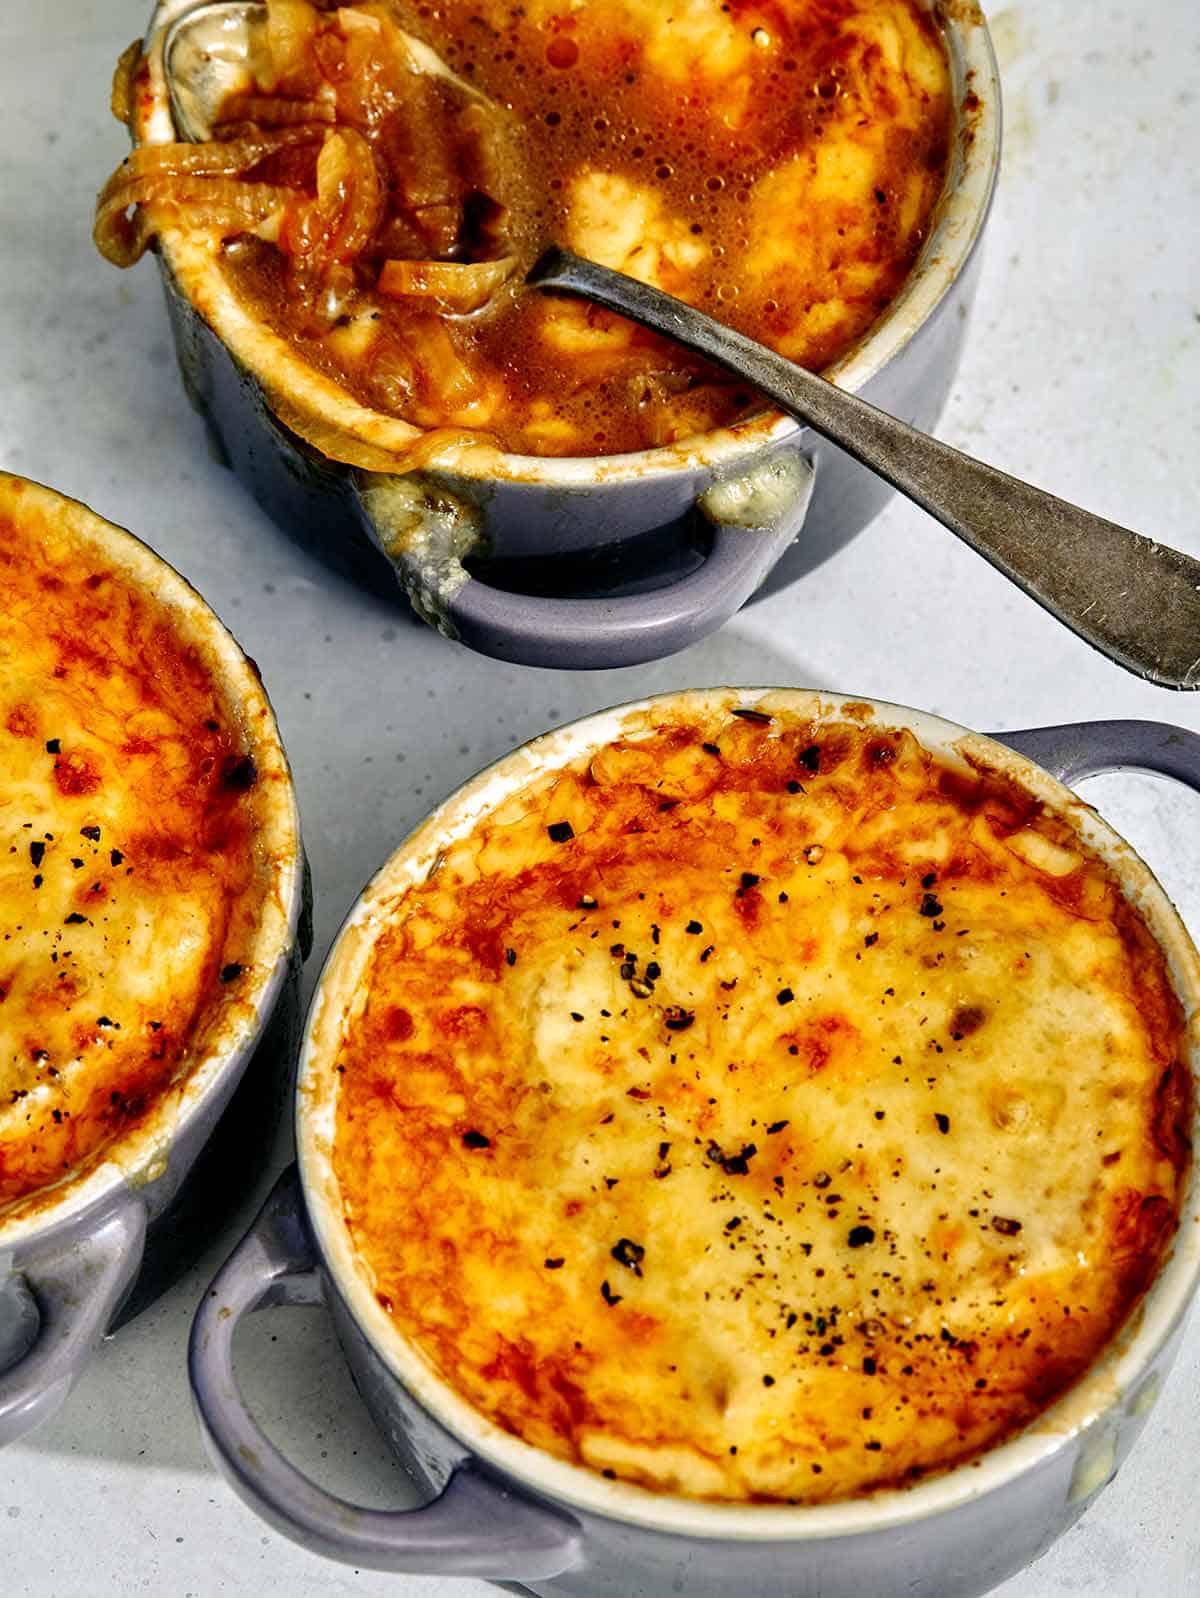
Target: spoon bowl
(208, 55)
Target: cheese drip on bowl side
(776, 163)
(762, 1111)
(132, 866)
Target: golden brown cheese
(775, 162)
(130, 887)
(762, 1110)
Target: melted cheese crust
(762, 1110)
(130, 884)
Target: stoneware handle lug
(54, 1311)
(475, 1527)
(1132, 598)
(754, 519)
(1090, 748)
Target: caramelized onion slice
(121, 99)
(453, 285)
(191, 184)
(326, 235)
(221, 204)
(376, 67)
(341, 221)
(292, 27)
(453, 390)
(274, 110)
(349, 193)
(218, 158)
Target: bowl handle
(426, 531)
(1088, 748)
(53, 1312)
(475, 1527)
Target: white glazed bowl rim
(958, 222)
(1112, 1381)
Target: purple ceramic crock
(500, 1508)
(105, 1239)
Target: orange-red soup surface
(130, 878)
(762, 1110)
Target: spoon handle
(1135, 600)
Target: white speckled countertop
(1082, 373)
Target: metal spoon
(1135, 600)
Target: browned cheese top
(775, 162)
(130, 880)
(762, 1110)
